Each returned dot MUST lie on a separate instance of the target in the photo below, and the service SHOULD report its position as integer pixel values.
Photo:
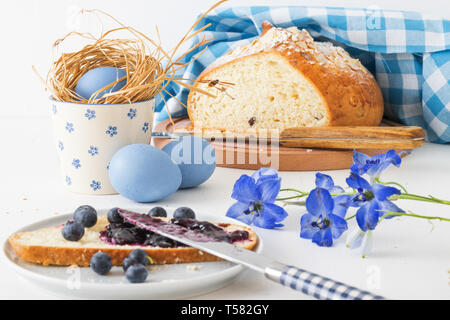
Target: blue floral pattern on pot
(76, 163)
(111, 131)
(145, 127)
(87, 136)
(90, 114)
(93, 151)
(132, 113)
(96, 185)
(69, 127)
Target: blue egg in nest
(98, 78)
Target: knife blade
(377, 137)
(298, 279)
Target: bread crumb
(192, 267)
(200, 253)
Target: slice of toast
(48, 247)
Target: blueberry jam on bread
(135, 229)
(118, 239)
(127, 233)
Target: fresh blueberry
(136, 273)
(101, 263)
(184, 213)
(72, 231)
(127, 262)
(86, 216)
(140, 256)
(158, 212)
(114, 216)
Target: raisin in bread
(48, 247)
(285, 79)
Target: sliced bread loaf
(285, 79)
(48, 247)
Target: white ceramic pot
(88, 135)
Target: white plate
(164, 281)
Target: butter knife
(296, 278)
(377, 137)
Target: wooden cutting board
(254, 156)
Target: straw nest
(149, 68)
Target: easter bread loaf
(285, 79)
(47, 247)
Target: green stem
(301, 194)
(416, 197)
(292, 189)
(295, 203)
(415, 216)
(293, 197)
(392, 183)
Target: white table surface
(411, 257)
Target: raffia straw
(140, 56)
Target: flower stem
(293, 197)
(294, 203)
(416, 197)
(392, 183)
(300, 195)
(292, 189)
(415, 216)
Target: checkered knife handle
(315, 285)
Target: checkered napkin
(408, 52)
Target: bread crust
(351, 93)
(66, 256)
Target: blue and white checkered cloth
(408, 52)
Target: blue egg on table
(195, 157)
(98, 78)
(143, 173)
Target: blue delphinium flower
(326, 182)
(374, 166)
(360, 239)
(341, 201)
(68, 180)
(60, 145)
(255, 197)
(372, 200)
(324, 220)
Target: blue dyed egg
(143, 173)
(195, 157)
(98, 78)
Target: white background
(28, 28)
(411, 258)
